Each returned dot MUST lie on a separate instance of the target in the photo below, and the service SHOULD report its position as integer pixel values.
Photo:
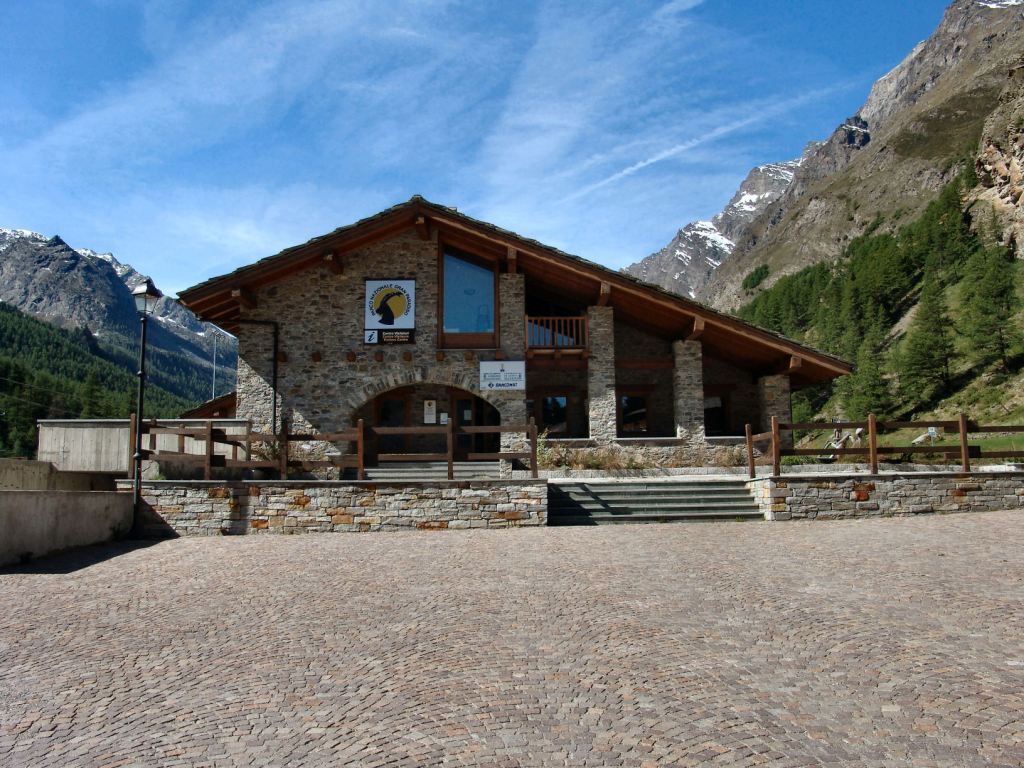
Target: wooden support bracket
(605, 295)
(422, 227)
(244, 297)
(513, 261)
(697, 330)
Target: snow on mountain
(999, 3)
(687, 262)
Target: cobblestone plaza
(877, 642)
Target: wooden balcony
(556, 336)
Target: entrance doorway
(423, 410)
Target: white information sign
(430, 411)
(503, 374)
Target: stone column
(688, 390)
(512, 298)
(601, 375)
(773, 400)
(512, 405)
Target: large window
(468, 301)
(632, 415)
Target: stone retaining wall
(214, 508)
(822, 496)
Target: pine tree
(924, 365)
(868, 390)
(990, 302)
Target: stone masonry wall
(321, 327)
(601, 375)
(211, 509)
(820, 497)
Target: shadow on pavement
(78, 559)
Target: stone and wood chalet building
(421, 314)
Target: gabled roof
(221, 300)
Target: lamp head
(146, 296)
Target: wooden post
(208, 464)
(532, 431)
(181, 439)
(360, 461)
(873, 443)
(451, 446)
(133, 425)
(776, 447)
(748, 430)
(965, 456)
(282, 444)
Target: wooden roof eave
(711, 318)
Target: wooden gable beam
(245, 297)
(422, 227)
(697, 330)
(333, 263)
(605, 294)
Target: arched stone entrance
(425, 407)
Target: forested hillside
(50, 373)
(925, 313)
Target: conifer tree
(924, 365)
(990, 303)
(868, 390)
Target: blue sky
(190, 138)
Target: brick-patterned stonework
(820, 497)
(211, 508)
(774, 399)
(688, 390)
(601, 374)
(320, 316)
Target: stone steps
(595, 503)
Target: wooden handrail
(961, 427)
(556, 332)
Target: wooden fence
(281, 457)
(961, 427)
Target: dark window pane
(553, 414)
(468, 296)
(634, 414)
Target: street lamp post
(146, 296)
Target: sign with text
(502, 374)
(389, 314)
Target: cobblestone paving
(877, 643)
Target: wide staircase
(420, 471)
(581, 502)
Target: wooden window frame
(466, 340)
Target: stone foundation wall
(212, 508)
(821, 497)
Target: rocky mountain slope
(686, 264)
(1000, 166)
(887, 162)
(80, 288)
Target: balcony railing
(556, 333)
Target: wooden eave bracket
(794, 364)
(512, 262)
(245, 297)
(605, 294)
(333, 263)
(697, 330)
(422, 227)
